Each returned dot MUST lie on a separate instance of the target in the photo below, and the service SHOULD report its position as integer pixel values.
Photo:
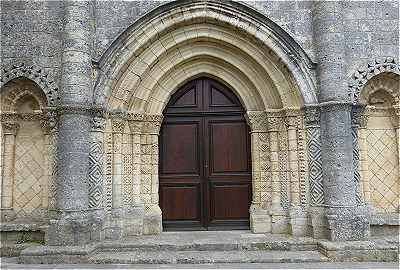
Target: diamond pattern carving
(29, 170)
(315, 166)
(383, 166)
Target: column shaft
(10, 130)
(340, 189)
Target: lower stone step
(204, 257)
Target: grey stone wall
(31, 33)
(31, 30)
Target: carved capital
(257, 121)
(50, 122)
(358, 116)
(118, 125)
(274, 120)
(98, 124)
(10, 128)
(152, 123)
(135, 126)
(396, 116)
(312, 116)
(292, 121)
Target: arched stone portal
(174, 44)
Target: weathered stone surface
(309, 172)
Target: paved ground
(10, 263)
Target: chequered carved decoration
(302, 167)
(383, 167)
(315, 166)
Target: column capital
(152, 123)
(312, 115)
(98, 124)
(395, 116)
(50, 122)
(359, 117)
(118, 125)
(257, 121)
(274, 119)
(10, 127)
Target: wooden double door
(205, 165)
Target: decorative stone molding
(34, 73)
(375, 67)
(333, 106)
(74, 109)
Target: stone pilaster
(316, 191)
(345, 219)
(278, 214)
(10, 130)
(396, 124)
(356, 119)
(96, 161)
(260, 219)
(152, 223)
(50, 130)
(363, 150)
(298, 219)
(74, 224)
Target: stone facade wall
(303, 70)
(31, 33)
(31, 30)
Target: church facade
(130, 118)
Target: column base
(298, 221)
(76, 228)
(124, 221)
(348, 224)
(280, 220)
(260, 220)
(7, 214)
(317, 223)
(152, 222)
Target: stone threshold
(215, 247)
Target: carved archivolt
(37, 74)
(362, 76)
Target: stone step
(249, 246)
(205, 257)
(210, 241)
